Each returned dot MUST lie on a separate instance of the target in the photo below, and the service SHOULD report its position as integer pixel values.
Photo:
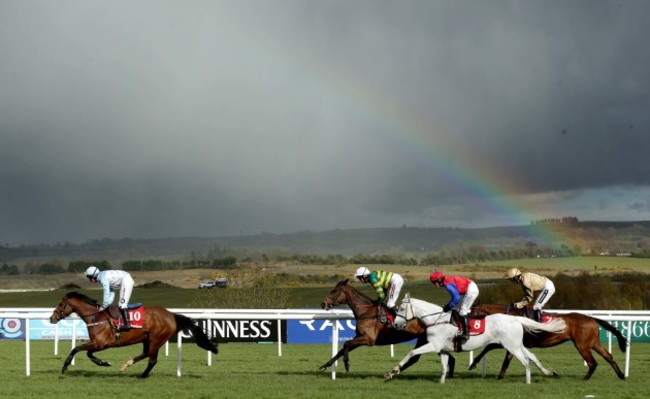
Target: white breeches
(544, 295)
(468, 299)
(396, 284)
(125, 292)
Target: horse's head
(412, 308)
(71, 303)
(404, 313)
(337, 296)
(62, 310)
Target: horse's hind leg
(484, 352)
(504, 366)
(145, 353)
(530, 355)
(585, 352)
(521, 355)
(610, 359)
(153, 359)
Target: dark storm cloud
(153, 119)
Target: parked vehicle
(221, 282)
(207, 284)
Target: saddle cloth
(136, 315)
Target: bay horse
(499, 328)
(580, 328)
(159, 325)
(369, 330)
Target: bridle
(60, 314)
(408, 316)
(331, 302)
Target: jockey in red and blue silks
(457, 286)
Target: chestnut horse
(369, 330)
(581, 329)
(159, 325)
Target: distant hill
(615, 237)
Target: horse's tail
(186, 324)
(622, 341)
(556, 326)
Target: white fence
(628, 317)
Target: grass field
(256, 371)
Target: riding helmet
(436, 275)
(92, 271)
(512, 273)
(362, 272)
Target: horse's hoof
(322, 368)
(472, 366)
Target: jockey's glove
(446, 308)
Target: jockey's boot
(465, 326)
(537, 315)
(125, 317)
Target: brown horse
(581, 329)
(159, 325)
(369, 330)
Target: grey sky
(151, 119)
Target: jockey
(110, 280)
(531, 282)
(457, 286)
(386, 284)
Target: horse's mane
(422, 303)
(82, 297)
(344, 283)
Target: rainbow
(476, 182)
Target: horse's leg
(427, 348)
(86, 346)
(348, 347)
(504, 366)
(96, 360)
(145, 351)
(484, 352)
(421, 341)
(523, 359)
(609, 358)
(585, 351)
(530, 355)
(153, 358)
(68, 360)
(444, 359)
(452, 366)
(330, 362)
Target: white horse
(499, 328)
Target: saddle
(527, 311)
(476, 326)
(136, 315)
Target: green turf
(256, 371)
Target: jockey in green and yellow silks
(386, 284)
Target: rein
(61, 313)
(356, 306)
(435, 323)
